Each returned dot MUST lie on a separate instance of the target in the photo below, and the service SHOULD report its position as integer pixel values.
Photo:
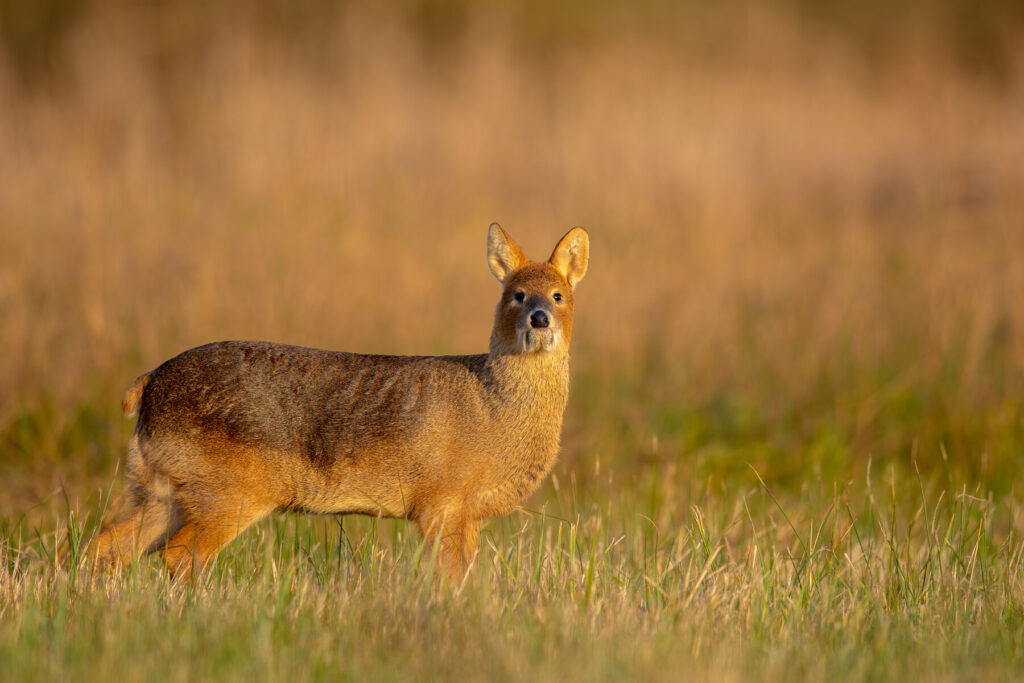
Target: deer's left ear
(571, 256)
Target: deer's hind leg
(223, 493)
(143, 519)
(142, 523)
(206, 531)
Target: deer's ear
(503, 255)
(571, 256)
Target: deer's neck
(527, 396)
(532, 387)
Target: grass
(793, 445)
(895, 578)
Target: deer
(232, 431)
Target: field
(795, 440)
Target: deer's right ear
(503, 255)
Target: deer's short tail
(133, 397)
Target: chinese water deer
(232, 431)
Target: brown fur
(232, 431)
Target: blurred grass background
(806, 218)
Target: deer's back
(323, 405)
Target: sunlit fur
(232, 431)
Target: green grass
(660, 579)
(752, 534)
(729, 538)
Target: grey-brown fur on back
(321, 404)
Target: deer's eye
(520, 297)
(557, 296)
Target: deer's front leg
(457, 535)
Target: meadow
(794, 441)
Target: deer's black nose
(539, 319)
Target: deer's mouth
(535, 339)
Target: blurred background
(806, 218)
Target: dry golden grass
(782, 208)
(771, 217)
